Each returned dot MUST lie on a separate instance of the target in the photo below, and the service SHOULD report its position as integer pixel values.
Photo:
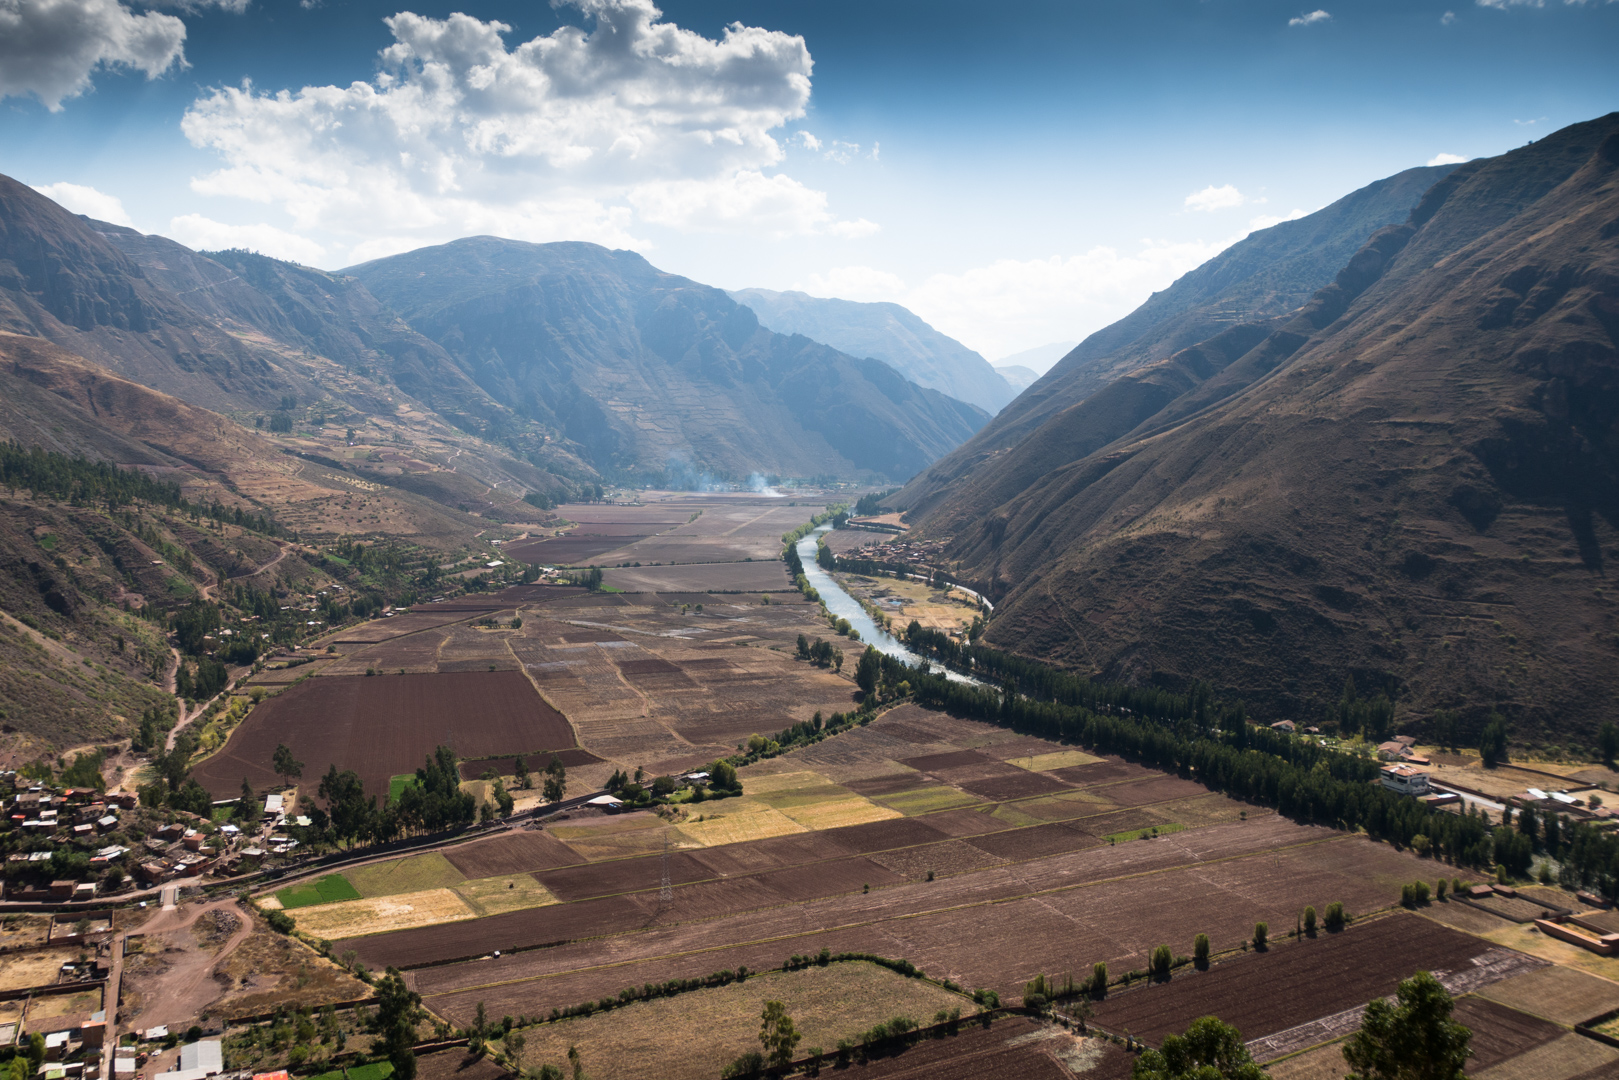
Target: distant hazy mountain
(1412, 478)
(892, 334)
(644, 369)
(1017, 376)
(1040, 358)
(1269, 273)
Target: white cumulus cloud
(87, 201)
(1446, 159)
(1312, 17)
(50, 48)
(1447, 18)
(203, 234)
(577, 134)
(806, 140)
(1224, 197)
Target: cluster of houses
(910, 552)
(104, 827)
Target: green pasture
(377, 1070)
(326, 890)
(398, 784)
(1137, 834)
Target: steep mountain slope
(889, 333)
(1413, 480)
(650, 372)
(1268, 274)
(61, 279)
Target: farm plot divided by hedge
(381, 727)
(996, 926)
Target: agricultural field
(383, 726)
(827, 1004)
(1556, 993)
(326, 890)
(1015, 1048)
(941, 837)
(762, 576)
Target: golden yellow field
(754, 822)
(350, 918)
(491, 896)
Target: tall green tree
(1608, 742)
(1210, 1050)
(778, 1035)
(556, 780)
(398, 1010)
(870, 670)
(285, 765)
(1492, 745)
(1412, 1039)
(344, 795)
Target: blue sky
(1015, 175)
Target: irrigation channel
(844, 606)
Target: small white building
(1405, 779)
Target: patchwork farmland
(983, 856)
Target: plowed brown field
(383, 726)
(1294, 982)
(994, 927)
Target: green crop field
(411, 874)
(1137, 834)
(377, 1070)
(398, 784)
(324, 890)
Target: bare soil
(387, 725)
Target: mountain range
(649, 372)
(887, 332)
(1407, 476)
(566, 363)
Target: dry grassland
(354, 918)
(269, 970)
(1559, 994)
(614, 838)
(20, 931)
(1525, 938)
(1569, 1056)
(1060, 759)
(415, 873)
(34, 968)
(834, 813)
(1322, 1063)
(45, 1008)
(695, 1035)
(755, 821)
(492, 896)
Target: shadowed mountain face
(1264, 276)
(230, 330)
(648, 371)
(1413, 479)
(889, 333)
